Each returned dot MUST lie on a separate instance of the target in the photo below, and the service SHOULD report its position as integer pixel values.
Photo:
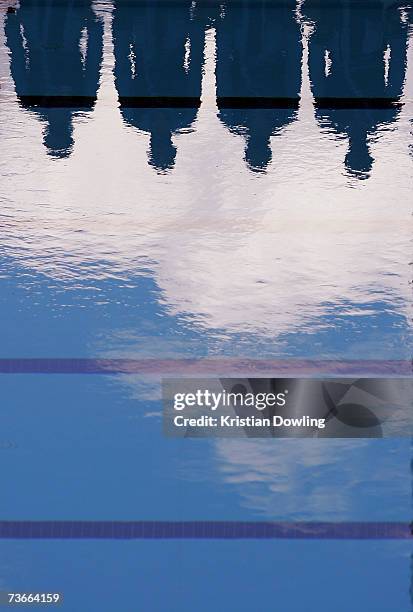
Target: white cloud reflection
(232, 249)
(318, 479)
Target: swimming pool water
(225, 182)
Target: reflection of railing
(234, 102)
(57, 101)
(357, 103)
(159, 101)
(256, 102)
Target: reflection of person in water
(158, 71)
(56, 51)
(357, 62)
(258, 72)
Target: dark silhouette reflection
(56, 52)
(258, 72)
(357, 64)
(158, 70)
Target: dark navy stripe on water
(229, 102)
(256, 102)
(200, 530)
(357, 103)
(159, 102)
(58, 101)
(213, 367)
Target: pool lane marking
(199, 530)
(207, 366)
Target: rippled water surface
(201, 180)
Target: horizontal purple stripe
(222, 530)
(217, 367)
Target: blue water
(217, 575)
(204, 232)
